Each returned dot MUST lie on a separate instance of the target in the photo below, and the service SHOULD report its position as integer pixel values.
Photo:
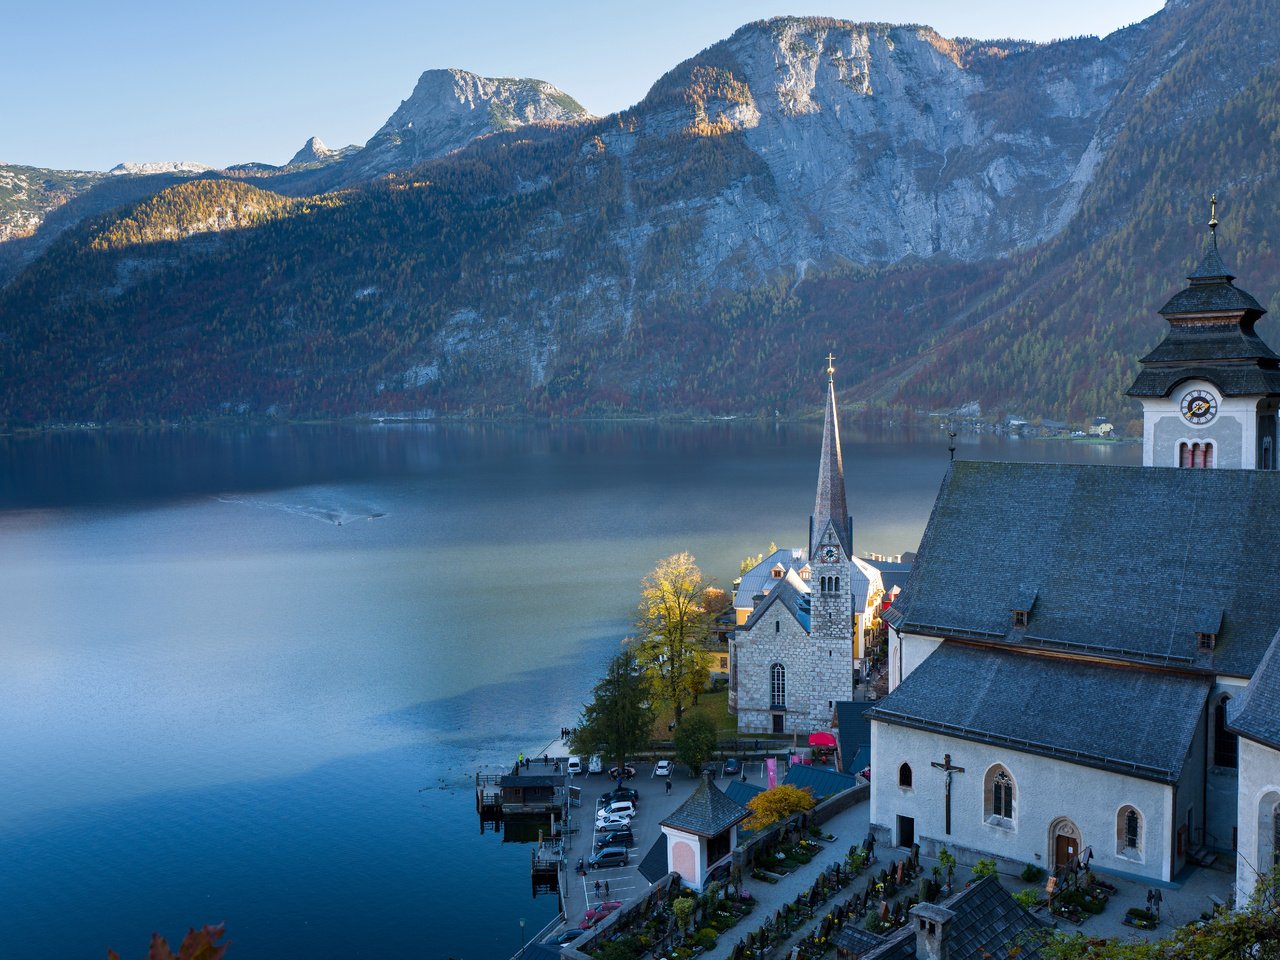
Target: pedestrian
(597, 889)
(546, 759)
(668, 784)
(606, 889)
(1157, 898)
(744, 773)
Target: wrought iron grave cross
(950, 769)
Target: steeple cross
(831, 366)
(1213, 214)
(947, 766)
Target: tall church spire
(829, 506)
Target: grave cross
(947, 766)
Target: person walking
(668, 785)
(606, 889)
(597, 889)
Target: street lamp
(521, 937)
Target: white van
(595, 764)
(574, 766)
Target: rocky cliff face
(450, 108)
(806, 181)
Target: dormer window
(1208, 625)
(1021, 606)
(778, 571)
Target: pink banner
(771, 768)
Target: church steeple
(829, 506)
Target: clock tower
(831, 581)
(1210, 390)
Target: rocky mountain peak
(314, 151)
(162, 166)
(449, 108)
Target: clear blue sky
(89, 83)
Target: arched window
(777, 626)
(836, 588)
(904, 775)
(1129, 833)
(1266, 453)
(1275, 836)
(1000, 793)
(778, 685)
(1226, 748)
(1196, 456)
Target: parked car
(662, 768)
(623, 808)
(621, 837)
(615, 822)
(564, 936)
(595, 764)
(732, 767)
(625, 773)
(622, 793)
(574, 766)
(609, 857)
(602, 910)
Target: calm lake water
(247, 675)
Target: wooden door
(1064, 849)
(906, 831)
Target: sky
(88, 84)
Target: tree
(196, 945)
(619, 719)
(778, 803)
(715, 601)
(695, 741)
(1249, 934)
(673, 624)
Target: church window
(1019, 618)
(904, 775)
(1266, 454)
(777, 626)
(837, 586)
(1129, 833)
(1226, 748)
(1000, 794)
(1275, 836)
(778, 686)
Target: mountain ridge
(952, 209)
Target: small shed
(701, 833)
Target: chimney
(932, 925)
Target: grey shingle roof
(1233, 381)
(1256, 712)
(1211, 290)
(1136, 722)
(985, 922)
(654, 865)
(707, 812)
(787, 595)
(829, 504)
(853, 731)
(821, 781)
(1124, 560)
(739, 791)
(759, 579)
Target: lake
(247, 675)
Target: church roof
(707, 812)
(853, 731)
(1136, 722)
(829, 505)
(1256, 712)
(654, 865)
(1210, 338)
(1124, 560)
(820, 781)
(786, 593)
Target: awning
(822, 740)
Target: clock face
(1199, 407)
(829, 554)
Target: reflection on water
(227, 693)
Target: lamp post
(521, 953)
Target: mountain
(28, 194)
(960, 220)
(129, 168)
(314, 151)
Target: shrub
(1027, 898)
(705, 938)
(1032, 874)
(985, 867)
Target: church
(1083, 664)
(804, 614)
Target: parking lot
(653, 805)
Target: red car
(598, 913)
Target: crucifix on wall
(947, 766)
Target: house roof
(821, 781)
(654, 865)
(1255, 714)
(1135, 722)
(739, 791)
(531, 780)
(707, 812)
(1124, 560)
(984, 921)
(760, 579)
(853, 731)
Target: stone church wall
(1258, 796)
(1045, 791)
(776, 638)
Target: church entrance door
(1066, 842)
(906, 831)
